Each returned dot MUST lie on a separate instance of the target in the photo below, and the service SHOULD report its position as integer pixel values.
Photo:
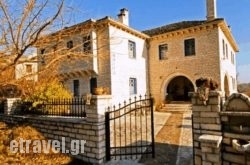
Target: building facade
(183, 52)
(27, 68)
(99, 53)
(163, 61)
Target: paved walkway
(185, 152)
(169, 150)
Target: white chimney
(123, 16)
(211, 9)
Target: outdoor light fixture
(87, 101)
(87, 98)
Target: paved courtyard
(173, 141)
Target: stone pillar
(96, 117)
(96, 110)
(206, 122)
(210, 149)
(10, 105)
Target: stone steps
(176, 107)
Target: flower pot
(98, 91)
(106, 90)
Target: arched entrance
(178, 88)
(226, 86)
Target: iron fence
(130, 130)
(74, 107)
(1, 106)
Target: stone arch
(237, 102)
(226, 86)
(176, 88)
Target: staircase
(178, 107)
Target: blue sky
(146, 14)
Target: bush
(47, 91)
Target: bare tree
(34, 24)
(22, 24)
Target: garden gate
(130, 130)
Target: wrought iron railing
(130, 129)
(1, 106)
(74, 107)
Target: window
(226, 51)
(223, 45)
(233, 82)
(132, 86)
(189, 47)
(42, 51)
(93, 85)
(28, 68)
(131, 49)
(70, 44)
(163, 51)
(232, 57)
(76, 88)
(86, 44)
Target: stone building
(164, 61)
(100, 53)
(182, 52)
(27, 68)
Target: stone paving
(185, 152)
(169, 153)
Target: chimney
(211, 10)
(123, 16)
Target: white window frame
(132, 86)
(131, 49)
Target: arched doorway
(178, 88)
(226, 86)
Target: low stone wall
(216, 124)
(91, 129)
(235, 118)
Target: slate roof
(173, 27)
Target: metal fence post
(107, 129)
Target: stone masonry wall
(204, 63)
(235, 118)
(221, 132)
(207, 135)
(91, 129)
